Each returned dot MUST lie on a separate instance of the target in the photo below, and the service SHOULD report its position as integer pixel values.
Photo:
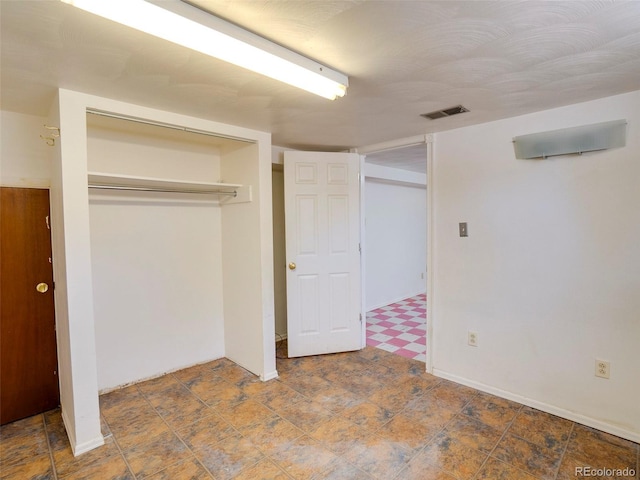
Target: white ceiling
(413, 158)
(403, 58)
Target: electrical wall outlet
(472, 339)
(602, 368)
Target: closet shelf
(131, 182)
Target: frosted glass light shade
(587, 138)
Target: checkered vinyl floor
(400, 328)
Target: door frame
(428, 140)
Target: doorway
(413, 178)
(396, 211)
(322, 243)
(29, 362)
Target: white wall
(75, 330)
(25, 159)
(247, 261)
(395, 241)
(156, 260)
(550, 273)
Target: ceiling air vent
(447, 112)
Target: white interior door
(322, 221)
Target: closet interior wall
(157, 260)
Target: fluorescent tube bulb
(221, 40)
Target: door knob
(292, 266)
(42, 287)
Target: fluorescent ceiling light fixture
(190, 27)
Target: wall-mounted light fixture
(193, 28)
(574, 140)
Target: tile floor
(400, 328)
(361, 415)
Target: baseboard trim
(156, 375)
(269, 376)
(76, 448)
(545, 407)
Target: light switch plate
(463, 229)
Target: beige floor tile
(187, 469)
(536, 460)
(16, 449)
(368, 416)
(339, 434)
(276, 395)
(206, 432)
(33, 468)
(158, 386)
(305, 414)
(497, 470)
(409, 432)
(601, 450)
(493, 411)
(229, 457)
(542, 429)
(473, 433)
(27, 426)
(66, 464)
(335, 399)
(156, 455)
(110, 468)
(270, 433)
(420, 470)
(263, 470)
(452, 457)
(340, 469)
(379, 457)
(178, 406)
(135, 429)
(303, 457)
(246, 413)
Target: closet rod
(144, 121)
(233, 193)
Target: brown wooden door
(28, 356)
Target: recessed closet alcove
(157, 196)
(162, 249)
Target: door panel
(28, 355)
(322, 210)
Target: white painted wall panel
(156, 261)
(550, 273)
(25, 159)
(396, 242)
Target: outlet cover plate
(603, 368)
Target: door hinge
(360, 247)
(360, 318)
(47, 220)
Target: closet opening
(166, 220)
